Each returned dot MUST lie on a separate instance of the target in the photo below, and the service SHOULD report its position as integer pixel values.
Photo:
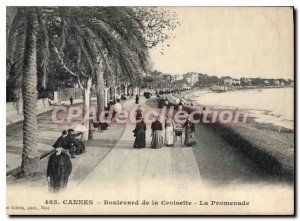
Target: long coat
(137, 99)
(73, 142)
(61, 142)
(140, 135)
(59, 169)
(189, 133)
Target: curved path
(111, 159)
(112, 170)
(212, 161)
(127, 166)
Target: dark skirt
(140, 139)
(80, 148)
(157, 139)
(189, 137)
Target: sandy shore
(271, 107)
(270, 146)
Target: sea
(270, 105)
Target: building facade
(232, 81)
(191, 78)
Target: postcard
(150, 110)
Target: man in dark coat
(71, 100)
(61, 141)
(74, 145)
(137, 99)
(58, 170)
(70, 144)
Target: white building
(236, 81)
(232, 81)
(178, 77)
(228, 81)
(277, 82)
(247, 81)
(191, 78)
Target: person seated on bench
(75, 146)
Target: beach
(268, 135)
(272, 105)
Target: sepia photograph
(150, 110)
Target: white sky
(250, 42)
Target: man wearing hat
(73, 145)
(59, 169)
(61, 141)
(77, 146)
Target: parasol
(117, 107)
(79, 128)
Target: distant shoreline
(185, 93)
(268, 145)
(258, 112)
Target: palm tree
(117, 45)
(109, 39)
(89, 43)
(22, 44)
(30, 162)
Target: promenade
(111, 159)
(112, 170)
(125, 165)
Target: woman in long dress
(189, 133)
(140, 135)
(169, 132)
(157, 136)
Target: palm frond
(15, 30)
(115, 46)
(120, 22)
(16, 71)
(11, 13)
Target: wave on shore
(275, 106)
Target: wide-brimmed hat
(71, 131)
(58, 144)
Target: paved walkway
(48, 132)
(112, 171)
(134, 168)
(12, 117)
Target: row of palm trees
(93, 45)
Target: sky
(234, 41)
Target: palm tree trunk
(30, 157)
(111, 94)
(99, 85)
(86, 92)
